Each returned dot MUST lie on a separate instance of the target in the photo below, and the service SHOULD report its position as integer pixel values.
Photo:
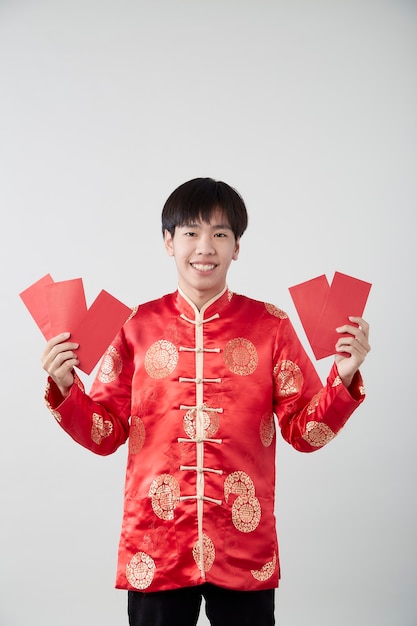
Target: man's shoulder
(259, 307)
(153, 306)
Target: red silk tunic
(195, 393)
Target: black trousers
(181, 607)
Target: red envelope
(66, 305)
(321, 313)
(347, 296)
(34, 298)
(309, 299)
(98, 328)
(59, 307)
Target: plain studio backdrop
(308, 108)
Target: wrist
(64, 391)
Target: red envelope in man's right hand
(60, 307)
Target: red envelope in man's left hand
(309, 298)
(347, 296)
(323, 307)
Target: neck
(201, 300)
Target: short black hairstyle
(197, 199)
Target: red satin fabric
(195, 393)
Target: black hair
(197, 199)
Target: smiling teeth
(203, 268)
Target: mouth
(203, 267)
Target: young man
(193, 381)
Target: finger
(54, 347)
(357, 347)
(53, 360)
(362, 324)
(58, 339)
(361, 330)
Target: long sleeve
(98, 421)
(309, 414)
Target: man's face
(203, 253)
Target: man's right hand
(59, 359)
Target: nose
(205, 245)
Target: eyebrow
(214, 226)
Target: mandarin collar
(212, 307)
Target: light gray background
(309, 109)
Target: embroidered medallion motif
(274, 310)
(246, 509)
(140, 570)
(161, 359)
(238, 483)
(289, 378)
(165, 494)
(267, 429)
(318, 434)
(312, 405)
(246, 513)
(266, 571)
(209, 553)
(100, 428)
(211, 423)
(111, 366)
(137, 435)
(240, 356)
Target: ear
(237, 250)
(169, 243)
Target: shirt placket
(200, 438)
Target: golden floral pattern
(246, 513)
(238, 483)
(100, 428)
(211, 423)
(318, 434)
(133, 313)
(137, 435)
(161, 359)
(267, 429)
(209, 553)
(165, 494)
(111, 366)
(79, 384)
(312, 405)
(274, 310)
(240, 356)
(289, 378)
(266, 571)
(57, 415)
(140, 570)
(246, 510)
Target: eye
(220, 235)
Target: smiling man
(203, 252)
(197, 382)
